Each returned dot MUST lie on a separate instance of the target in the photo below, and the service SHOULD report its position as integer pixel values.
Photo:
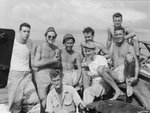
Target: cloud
(73, 15)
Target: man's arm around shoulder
(130, 33)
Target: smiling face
(88, 37)
(117, 21)
(50, 37)
(57, 82)
(89, 52)
(24, 33)
(119, 36)
(69, 44)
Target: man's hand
(56, 58)
(132, 80)
(75, 84)
(84, 64)
(89, 73)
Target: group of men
(60, 72)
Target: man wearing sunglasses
(46, 58)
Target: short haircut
(25, 25)
(56, 72)
(88, 30)
(119, 28)
(117, 14)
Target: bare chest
(47, 53)
(68, 58)
(120, 52)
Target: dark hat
(50, 29)
(89, 45)
(68, 36)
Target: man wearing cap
(69, 58)
(99, 49)
(47, 57)
(99, 86)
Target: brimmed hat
(89, 45)
(50, 29)
(68, 36)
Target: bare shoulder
(99, 44)
(38, 48)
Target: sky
(72, 16)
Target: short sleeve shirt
(70, 99)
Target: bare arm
(82, 50)
(100, 46)
(30, 46)
(78, 61)
(130, 33)
(109, 39)
(41, 63)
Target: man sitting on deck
(62, 98)
(98, 85)
(89, 34)
(126, 66)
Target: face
(69, 44)
(117, 21)
(89, 52)
(119, 36)
(24, 33)
(57, 82)
(50, 37)
(88, 37)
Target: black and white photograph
(74, 56)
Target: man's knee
(135, 38)
(129, 58)
(101, 70)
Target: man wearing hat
(47, 57)
(99, 85)
(69, 59)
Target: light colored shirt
(20, 56)
(98, 61)
(70, 99)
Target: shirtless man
(125, 63)
(46, 58)
(129, 34)
(89, 37)
(69, 58)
